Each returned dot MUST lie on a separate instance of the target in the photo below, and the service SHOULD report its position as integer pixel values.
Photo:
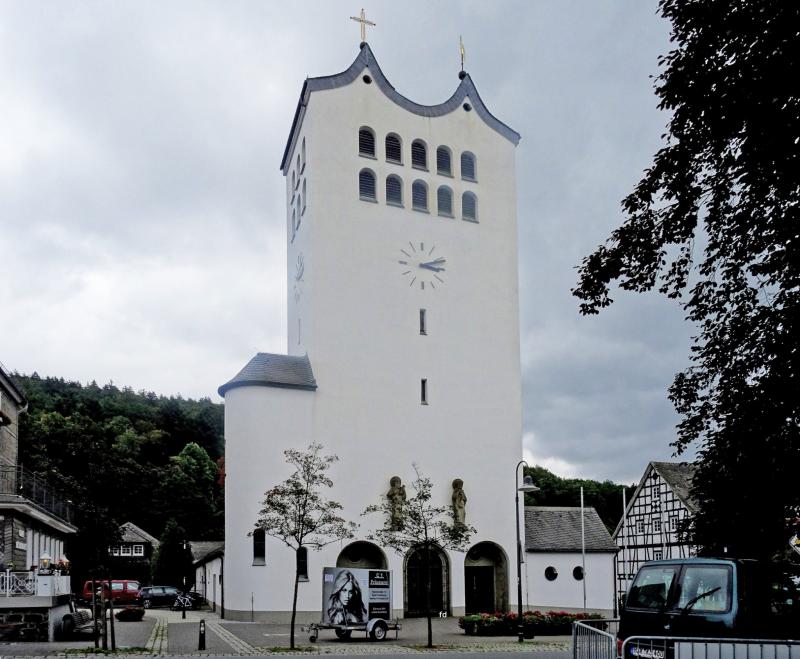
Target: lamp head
(527, 485)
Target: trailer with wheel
(356, 600)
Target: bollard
(201, 642)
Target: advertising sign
(355, 595)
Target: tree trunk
(294, 603)
(427, 569)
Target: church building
(403, 343)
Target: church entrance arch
(364, 555)
(415, 582)
(485, 579)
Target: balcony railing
(27, 584)
(16, 481)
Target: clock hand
(430, 266)
(435, 263)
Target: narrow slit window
(304, 194)
(366, 185)
(394, 151)
(469, 207)
(423, 325)
(423, 391)
(468, 166)
(294, 223)
(303, 153)
(444, 201)
(419, 196)
(366, 142)
(394, 190)
(444, 161)
(302, 564)
(259, 547)
(419, 154)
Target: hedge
(548, 623)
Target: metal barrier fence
(595, 639)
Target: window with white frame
(657, 525)
(125, 550)
(658, 554)
(640, 526)
(138, 550)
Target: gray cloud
(142, 210)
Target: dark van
(706, 597)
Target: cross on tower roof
(364, 22)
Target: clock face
(299, 271)
(421, 265)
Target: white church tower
(403, 341)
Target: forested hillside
(124, 456)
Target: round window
(367, 79)
(550, 573)
(467, 107)
(578, 573)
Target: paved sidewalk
(164, 632)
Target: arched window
(444, 163)
(302, 564)
(304, 194)
(469, 207)
(394, 190)
(468, 168)
(366, 142)
(366, 185)
(259, 547)
(394, 149)
(444, 201)
(303, 152)
(419, 154)
(419, 196)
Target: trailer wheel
(312, 638)
(343, 634)
(378, 632)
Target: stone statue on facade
(459, 503)
(397, 497)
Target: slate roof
(7, 383)
(269, 370)
(205, 549)
(558, 529)
(366, 59)
(132, 533)
(678, 475)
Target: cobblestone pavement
(164, 632)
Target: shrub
(550, 623)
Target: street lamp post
(527, 486)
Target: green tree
(714, 222)
(296, 513)
(172, 562)
(423, 526)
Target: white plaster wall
(360, 328)
(210, 572)
(566, 592)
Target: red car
(124, 591)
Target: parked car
(155, 596)
(706, 597)
(124, 591)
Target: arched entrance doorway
(485, 579)
(364, 555)
(415, 582)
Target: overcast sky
(142, 219)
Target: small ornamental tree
(296, 513)
(423, 526)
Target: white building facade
(403, 341)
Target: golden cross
(461, 48)
(364, 22)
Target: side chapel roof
(205, 550)
(558, 529)
(366, 59)
(270, 370)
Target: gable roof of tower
(270, 370)
(132, 533)
(558, 529)
(366, 59)
(677, 475)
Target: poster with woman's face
(354, 595)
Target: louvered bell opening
(366, 143)
(445, 201)
(443, 165)
(468, 166)
(366, 185)
(394, 191)
(393, 153)
(419, 196)
(419, 156)
(469, 206)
